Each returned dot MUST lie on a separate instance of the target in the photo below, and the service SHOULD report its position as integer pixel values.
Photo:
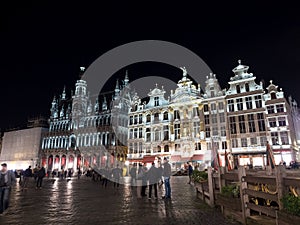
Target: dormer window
(156, 101)
(247, 87)
(238, 89)
(273, 95)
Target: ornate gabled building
(197, 126)
(190, 124)
(84, 133)
(280, 125)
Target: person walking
(40, 176)
(153, 177)
(190, 172)
(144, 180)
(26, 177)
(7, 180)
(139, 181)
(117, 174)
(133, 175)
(167, 175)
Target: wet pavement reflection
(87, 202)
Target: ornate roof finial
(271, 81)
(184, 71)
(239, 61)
(156, 85)
(82, 68)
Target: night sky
(42, 45)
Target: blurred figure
(7, 179)
(167, 176)
(40, 176)
(26, 176)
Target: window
(197, 146)
(244, 142)
(272, 122)
(222, 117)
(195, 111)
(140, 132)
(251, 123)
(166, 132)
(270, 109)
(214, 118)
(274, 138)
(130, 148)
(242, 125)
(166, 116)
(207, 132)
(130, 133)
(280, 108)
(135, 107)
(263, 141)
(247, 87)
(215, 131)
(166, 148)
(213, 106)
(156, 117)
(258, 101)
(177, 147)
(135, 132)
(135, 147)
(148, 118)
(221, 105)
(281, 121)
(212, 92)
(205, 108)
(238, 89)
(249, 102)
(140, 119)
(148, 135)
(141, 147)
(284, 138)
(253, 141)
(239, 103)
(230, 105)
(206, 119)
(273, 95)
(224, 145)
(130, 120)
(234, 143)
(157, 135)
(158, 148)
(196, 129)
(177, 131)
(135, 119)
(208, 146)
(156, 101)
(261, 122)
(223, 131)
(232, 125)
(176, 114)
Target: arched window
(166, 115)
(166, 148)
(273, 95)
(148, 118)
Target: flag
(270, 156)
(227, 162)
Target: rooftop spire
(126, 80)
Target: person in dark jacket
(27, 175)
(7, 180)
(40, 176)
(167, 175)
(153, 177)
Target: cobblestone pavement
(87, 202)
